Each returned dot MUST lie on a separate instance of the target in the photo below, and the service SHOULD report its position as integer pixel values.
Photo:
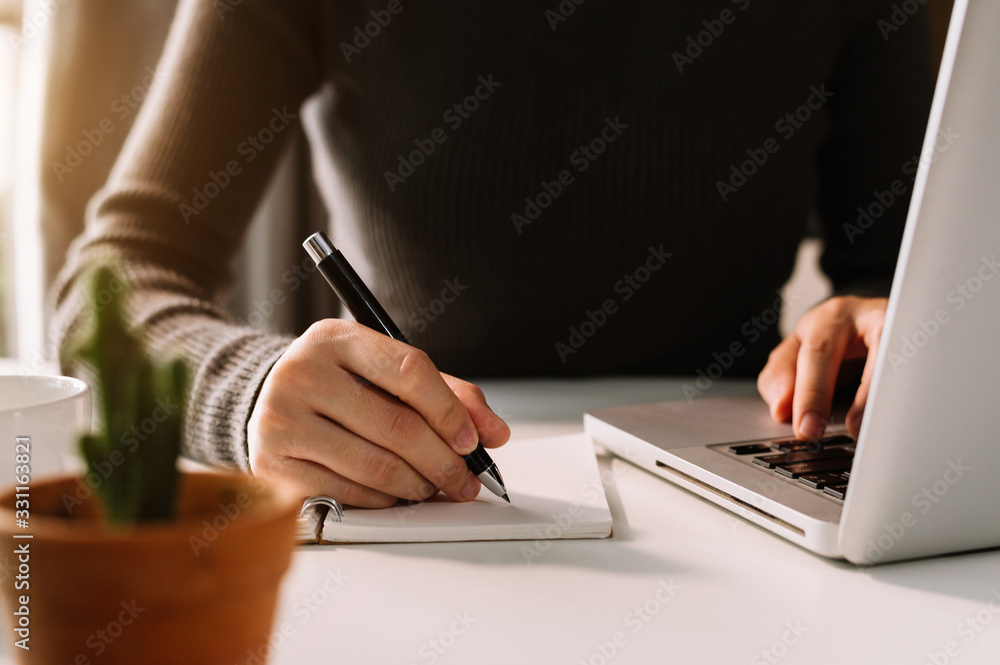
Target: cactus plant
(140, 405)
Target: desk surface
(681, 581)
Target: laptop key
(771, 461)
(836, 491)
(800, 446)
(837, 439)
(818, 481)
(750, 449)
(797, 445)
(816, 466)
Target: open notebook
(555, 492)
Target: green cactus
(136, 461)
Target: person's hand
(801, 373)
(326, 419)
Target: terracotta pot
(201, 589)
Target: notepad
(555, 491)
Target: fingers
(820, 354)
(800, 377)
(401, 437)
(493, 431)
(353, 457)
(406, 372)
(321, 405)
(776, 382)
(282, 440)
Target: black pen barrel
(356, 296)
(347, 284)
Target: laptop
(923, 477)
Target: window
(9, 22)
(21, 289)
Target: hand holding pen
(315, 423)
(363, 305)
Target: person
(584, 188)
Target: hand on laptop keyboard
(801, 374)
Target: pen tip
(506, 498)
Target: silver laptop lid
(927, 468)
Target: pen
(361, 303)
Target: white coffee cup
(42, 418)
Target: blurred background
(72, 69)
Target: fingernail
(471, 489)
(811, 426)
(466, 441)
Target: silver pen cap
(318, 246)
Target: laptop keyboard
(823, 465)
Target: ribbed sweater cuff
(223, 396)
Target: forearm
(180, 197)
(228, 363)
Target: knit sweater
(533, 188)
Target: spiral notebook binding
(315, 502)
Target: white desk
(681, 581)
